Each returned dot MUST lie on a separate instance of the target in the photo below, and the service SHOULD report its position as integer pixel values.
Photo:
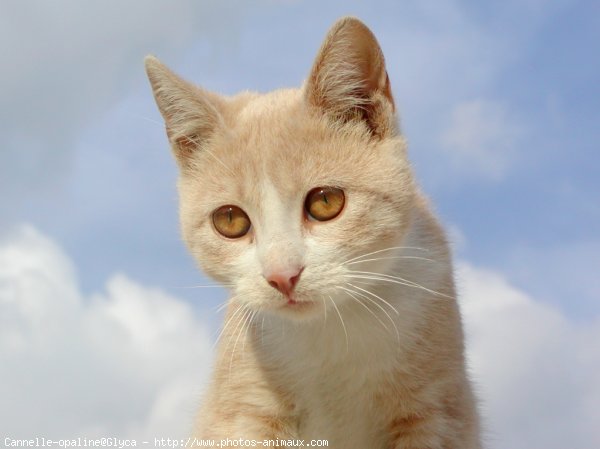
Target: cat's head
(279, 191)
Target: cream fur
(370, 361)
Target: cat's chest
(337, 410)
(335, 402)
(333, 375)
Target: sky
(499, 102)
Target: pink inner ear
(349, 81)
(186, 143)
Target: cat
(342, 324)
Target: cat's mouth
(296, 305)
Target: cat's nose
(284, 280)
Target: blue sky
(499, 102)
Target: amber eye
(231, 221)
(324, 203)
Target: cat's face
(279, 192)
(266, 163)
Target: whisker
(240, 307)
(211, 154)
(376, 296)
(148, 119)
(341, 321)
(208, 286)
(248, 329)
(245, 317)
(376, 304)
(378, 277)
(222, 306)
(398, 278)
(391, 248)
(351, 294)
(357, 281)
(324, 310)
(389, 276)
(391, 257)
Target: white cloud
(480, 138)
(537, 372)
(128, 362)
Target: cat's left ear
(190, 113)
(349, 81)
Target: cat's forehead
(275, 143)
(250, 108)
(280, 133)
(275, 137)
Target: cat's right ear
(349, 82)
(190, 114)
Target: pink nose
(284, 280)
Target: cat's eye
(324, 203)
(231, 221)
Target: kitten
(343, 323)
